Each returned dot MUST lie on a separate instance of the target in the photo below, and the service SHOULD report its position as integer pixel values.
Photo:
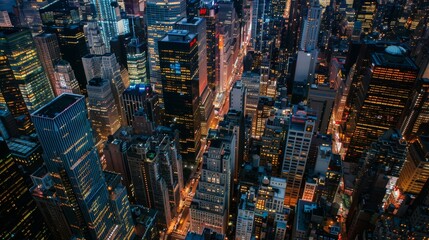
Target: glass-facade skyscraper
(71, 158)
(29, 83)
(160, 19)
(178, 52)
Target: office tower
(75, 168)
(19, 215)
(321, 99)
(107, 67)
(94, 38)
(110, 20)
(156, 174)
(11, 101)
(73, 47)
(238, 97)
(416, 112)
(298, 140)
(380, 168)
(62, 19)
(415, 172)
(160, 19)
(387, 88)
(102, 110)
(310, 28)
(210, 206)
(43, 193)
(115, 152)
(263, 112)
(49, 54)
(25, 87)
(111, 70)
(136, 62)
(197, 26)
(273, 141)
(251, 82)
(178, 55)
(141, 96)
(65, 80)
(120, 205)
(209, 12)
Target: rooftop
(194, 21)
(22, 147)
(393, 57)
(58, 105)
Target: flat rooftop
(22, 147)
(58, 105)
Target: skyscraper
(94, 38)
(49, 53)
(386, 90)
(210, 14)
(141, 97)
(416, 168)
(136, 62)
(301, 128)
(310, 28)
(210, 206)
(161, 17)
(11, 100)
(71, 157)
(197, 26)
(30, 82)
(110, 20)
(178, 52)
(156, 174)
(416, 113)
(18, 213)
(102, 109)
(65, 80)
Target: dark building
(140, 96)
(18, 213)
(178, 54)
(43, 193)
(380, 167)
(210, 14)
(385, 91)
(416, 114)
